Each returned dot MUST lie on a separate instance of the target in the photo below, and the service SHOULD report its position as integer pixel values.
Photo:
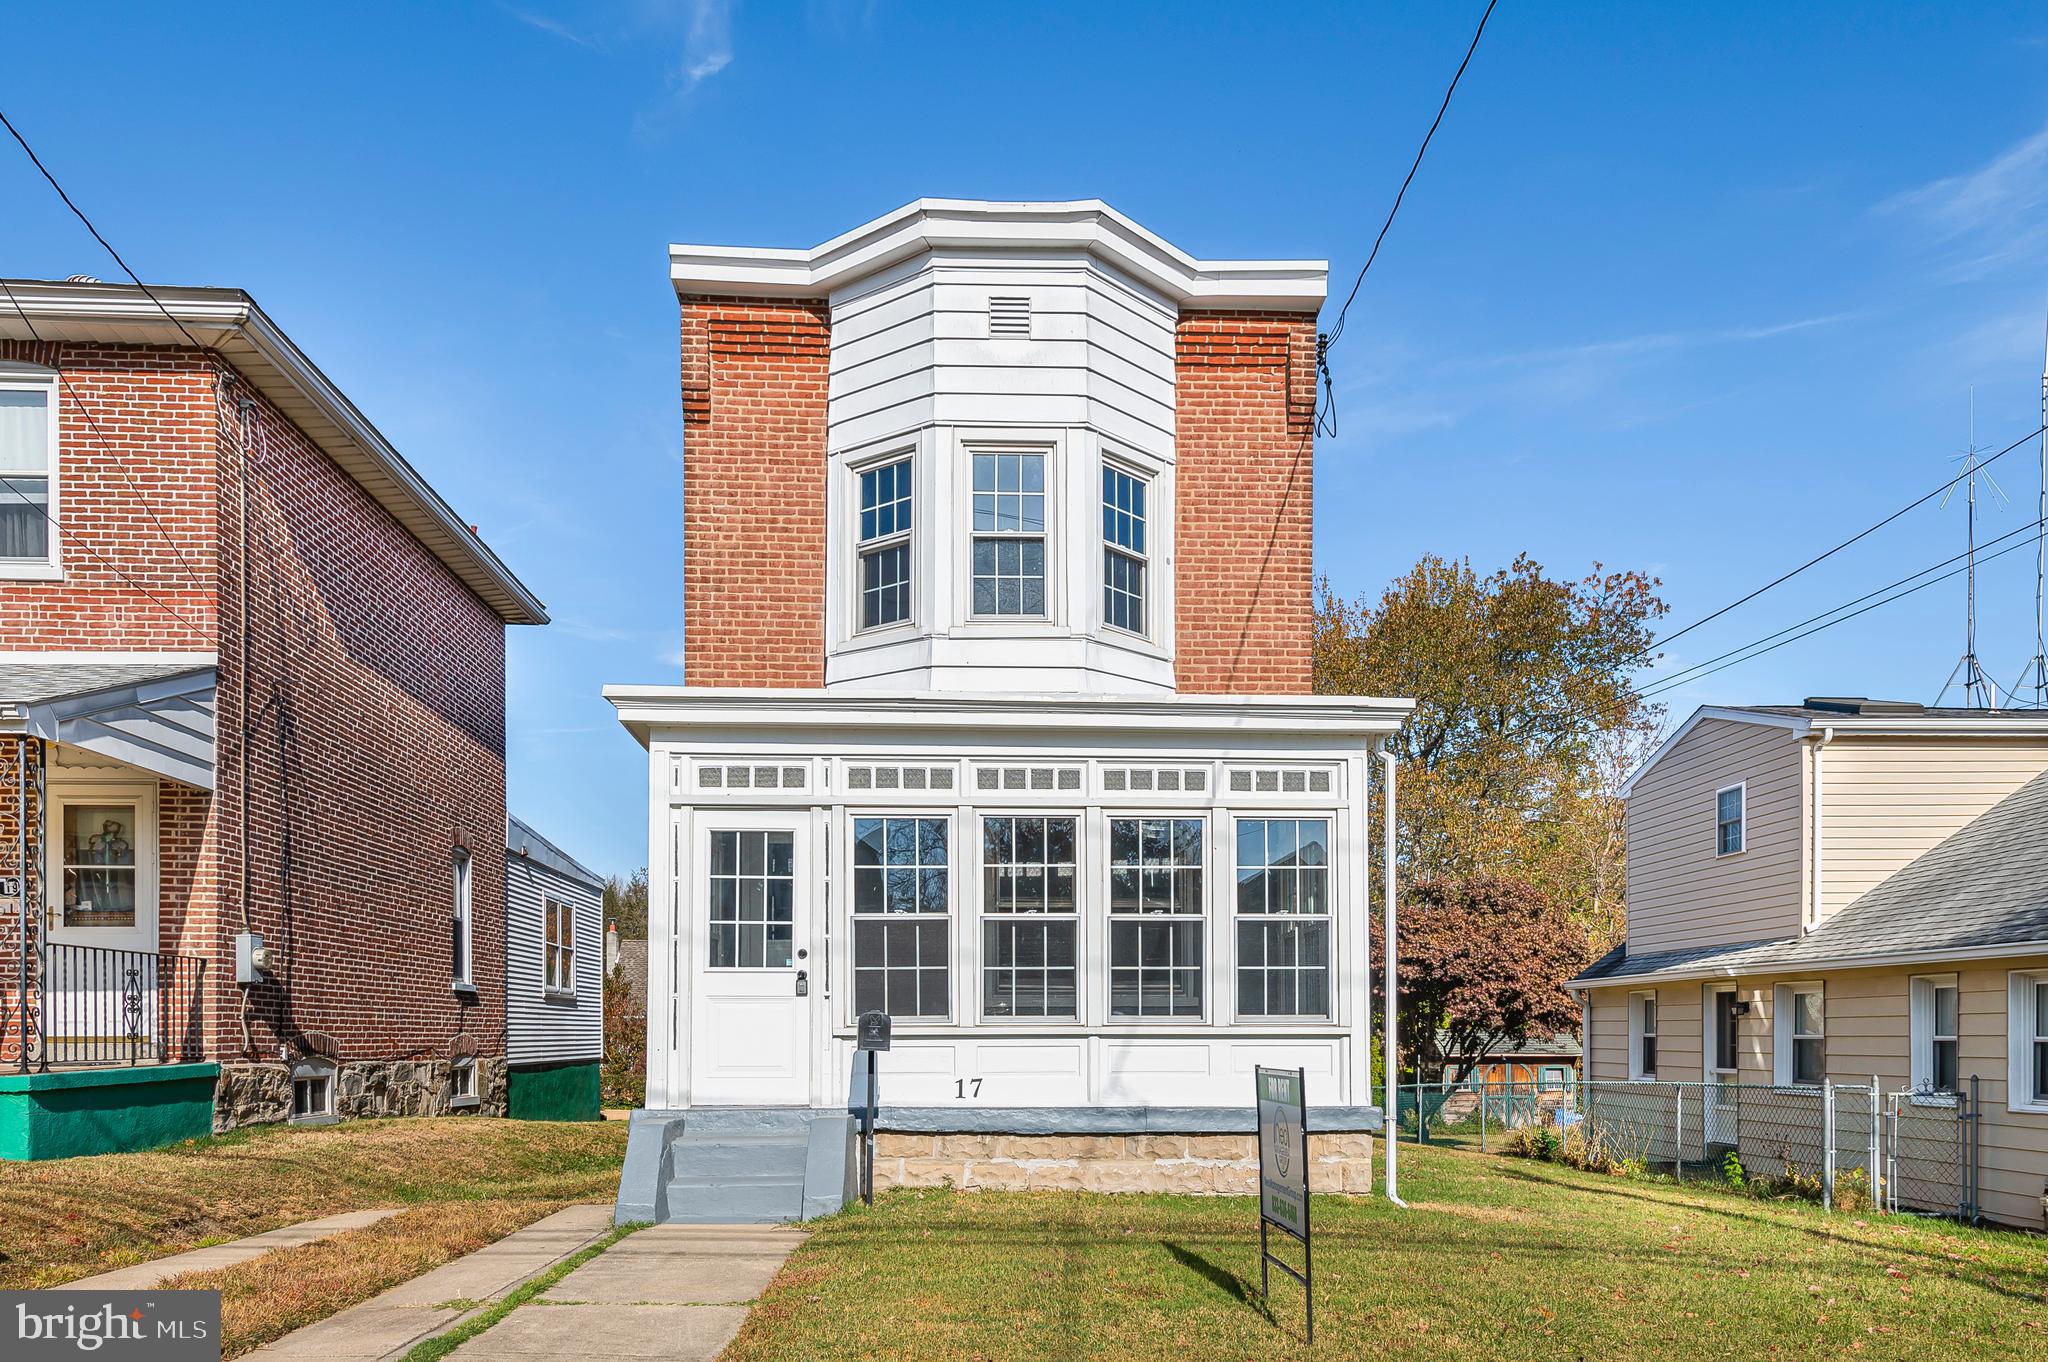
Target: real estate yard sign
(1283, 1178)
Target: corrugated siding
(1679, 892)
(1887, 801)
(541, 1029)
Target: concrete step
(713, 1157)
(736, 1203)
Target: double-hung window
(28, 434)
(902, 905)
(1009, 534)
(559, 947)
(885, 543)
(1155, 917)
(1124, 555)
(1933, 1007)
(1728, 828)
(1283, 917)
(753, 899)
(459, 938)
(1643, 1037)
(1029, 927)
(1800, 1023)
(2027, 1041)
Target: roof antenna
(1979, 690)
(2037, 669)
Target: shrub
(1731, 1171)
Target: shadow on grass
(1223, 1279)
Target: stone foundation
(1200, 1164)
(261, 1094)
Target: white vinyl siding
(544, 1026)
(1681, 891)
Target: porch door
(1721, 1065)
(751, 906)
(100, 991)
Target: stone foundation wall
(261, 1094)
(1201, 1164)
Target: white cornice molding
(230, 322)
(1087, 225)
(644, 708)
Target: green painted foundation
(559, 1092)
(104, 1111)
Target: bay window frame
(987, 444)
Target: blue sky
(1695, 289)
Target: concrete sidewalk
(144, 1276)
(388, 1325)
(677, 1293)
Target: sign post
(871, 1039)
(1283, 1180)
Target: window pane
(1945, 1057)
(1807, 1061)
(885, 586)
(1944, 1011)
(100, 866)
(1806, 1014)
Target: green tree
(625, 903)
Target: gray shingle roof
(1985, 886)
(35, 683)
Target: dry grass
(268, 1297)
(70, 1218)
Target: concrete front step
(713, 1157)
(736, 1203)
(736, 1165)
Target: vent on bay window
(1150, 779)
(1009, 317)
(711, 776)
(865, 777)
(1029, 779)
(1270, 780)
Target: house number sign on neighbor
(1283, 1179)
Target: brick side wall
(754, 374)
(1243, 521)
(377, 710)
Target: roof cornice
(1085, 225)
(229, 322)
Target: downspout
(1813, 907)
(1388, 1052)
(246, 408)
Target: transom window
(27, 459)
(560, 946)
(902, 901)
(1124, 555)
(1009, 534)
(885, 544)
(99, 865)
(1030, 929)
(1283, 924)
(1728, 821)
(753, 900)
(1155, 925)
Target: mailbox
(874, 1031)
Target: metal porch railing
(91, 1006)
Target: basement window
(462, 1083)
(312, 1093)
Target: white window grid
(883, 497)
(751, 878)
(1809, 1035)
(1730, 823)
(1283, 917)
(1157, 916)
(559, 946)
(1030, 916)
(1008, 539)
(902, 915)
(1125, 556)
(29, 544)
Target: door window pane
(99, 865)
(753, 900)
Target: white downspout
(1813, 907)
(1388, 1052)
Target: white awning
(153, 714)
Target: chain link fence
(1898, 1151)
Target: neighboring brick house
(255, 668)
(998, 715)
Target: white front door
(100, 869)
(750, 914)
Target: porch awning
(152, 713)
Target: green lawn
(1497, 1258)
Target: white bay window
(885, 547)
(1009, 536)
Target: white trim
(1051, 450)
(458, 1100)
(230, 322)
(2021, 1025)
(1638, 1072)
(1087, 225)
(326, 1070)
(1920, 1022)
(1710, 1039)
(50, 567)
(462, 910)
(1784, 1020)
(1741, 788)
(66, 789)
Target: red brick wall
(1243, 520)
(754, 387)
(377, 704)
(154, 412)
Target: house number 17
(964, 1088)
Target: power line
(1662, 687)
(86, 544)
(1859, 535)
(1338, 329)
(80, 215)
(107, 449)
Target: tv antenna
(2037, 670)
(1979, 690)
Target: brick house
(252, 808)
(997, 717)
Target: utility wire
(105, 448)
(80, 215)
(1859, 535)
(1338, 329)
(1749, 656)
(86, 544)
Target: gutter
(1814, 902)
(1804, 966)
